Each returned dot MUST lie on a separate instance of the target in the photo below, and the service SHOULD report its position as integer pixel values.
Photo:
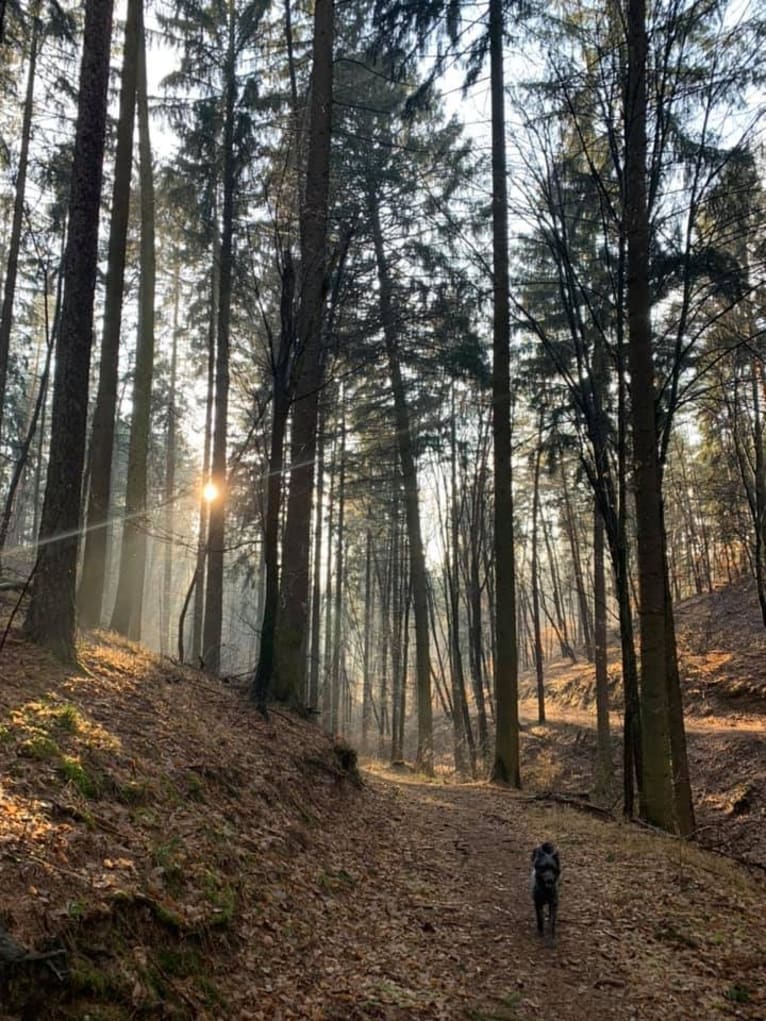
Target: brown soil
(197, 861)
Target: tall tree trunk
(280, 410)
(170, 469)
(338, 661)
(198, 615)
(316, 584)
(328, 589)
(658, 799)
(401, 715)
(506, 766)
(464, 741)
(477, 537)
(535, 580)
(384, 584)
(128, 607)
(50, 616)
(14, 244)
(396, 614)
(293, 614)
(574, 545)
(412, 512)
(369, 611)
(604, 767)
(213, 619)
(91, 591)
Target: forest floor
(722, 662)
(194, 860)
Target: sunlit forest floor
(722, 656)
(197, 861)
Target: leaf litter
(197, 861)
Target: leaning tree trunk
(506, 767)
(22, 459)
(91, 590)
(128, 607)
(658, 805)
(411, 500)
(50, 616)
(14, 243)
(289, 683)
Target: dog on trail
(544, 885)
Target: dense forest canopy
(372, 353)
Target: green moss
(76, 908)
(167, 857)
(222, 899)
(86, 978)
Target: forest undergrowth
(194, 860)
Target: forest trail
(649, 928)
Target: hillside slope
(194, 860)
(722, 661)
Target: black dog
(544, 884)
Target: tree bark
(535, 580)
(128, 607)
(658, 799)
(14, 243)
(170, 470)
(411, 499)
(213, 618)
(91, 591)
(50, 616)
(506, 766)
(293, 614)
(604, 766)
(280, 410)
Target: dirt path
(427, 915)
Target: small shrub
(66, 717)
(39, 747)
(71, 770)
(179, 963)
(737, 994)
(346, 758)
